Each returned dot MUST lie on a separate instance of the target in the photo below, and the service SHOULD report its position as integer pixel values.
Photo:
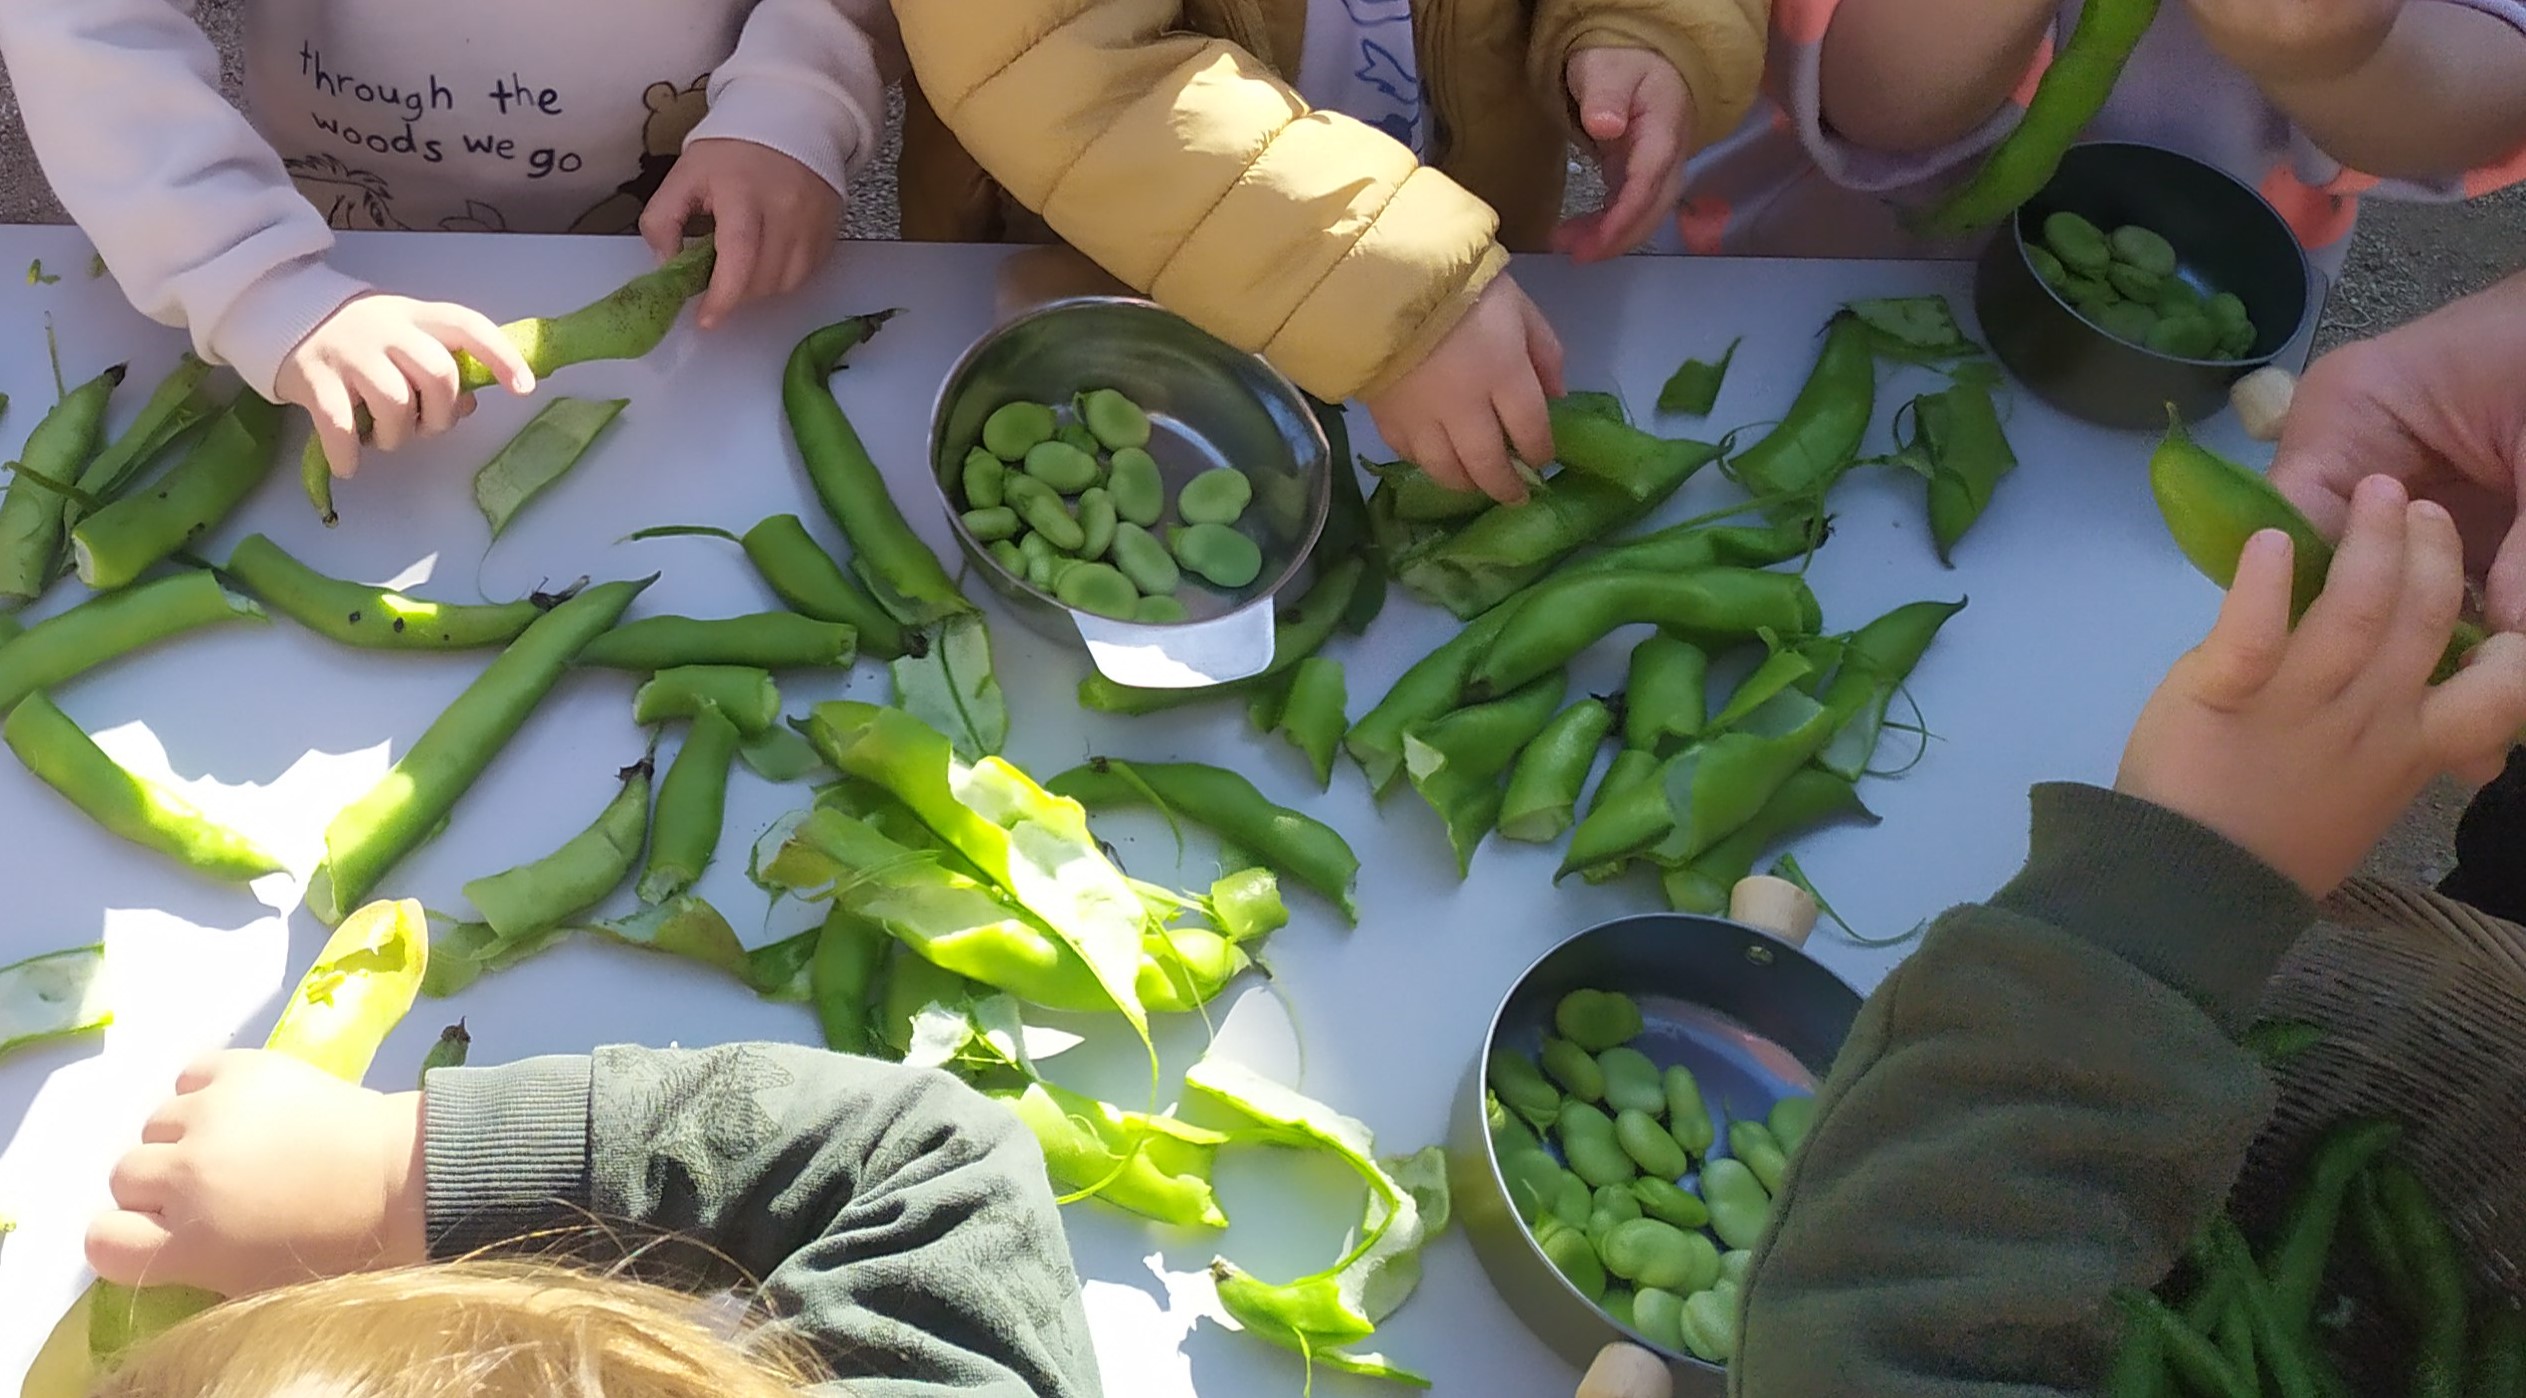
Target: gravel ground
(2408, 260)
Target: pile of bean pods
(1055, 494)
(2362, 1278)
(1599, 1147)
(2127, 284)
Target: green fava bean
(1669, 1202)
(1632, 1083)
(982, 477)
(2126, 321)
(1649, 1146)
(1751, 1142)
(1039, 569)
(1144, 560)
(1096, 588)
(1615, 1202)
(2184, 335)
(1043, 511)
(1570, 1200)
(992, 525)
(2175, 294)
(2089, 294)
(1710, 1324)
(1062, 466)
(1571, 1066)
(1097, 521)
(1570, 1253)
(2048, 267)
(2079, 244)
(1597, 1020)
(1140, 493)
(1008, 555)
(2226, 311)
(1616, 1303)
(1739, 1209)
(1532, 1176)
(1078, 438)
(1602, 1222)
(1660, 1255)
(1735, 1265)
(1658, 1316)
(1014, 429)
(2144, 250)
(2134, 283)
(1160, 611)
(1588, 1142)
(1116, 421)
(1217, 496)
(1686, 1118)
(1791, 1118)
(1522, 1087)
(1221, 555)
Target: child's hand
(1457, 413)
(775, 219)
(262, 1171)
(2305, 748)
(393, 358)
(2296, 39)
(1634, 109)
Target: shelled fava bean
(2126, 283)
(1596, 1142)
(1070, 500)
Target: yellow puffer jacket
(1155, 137)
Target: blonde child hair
(467, 1329)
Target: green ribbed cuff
(506, 1149)
(2165, 893)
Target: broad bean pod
(744, 695)
(1818, 438)
(692, 807)
(57, 750)
(104, 628)
(1567, 615)
(1456, 761)
(1296, 635)
(763, 641)
(810, 583)
(1154, 1166)
(375, 618)
(179, 403)
(541, 895)
(371, 835)
(114, 546)
(1308, 710)
(625, 323)
(38, 497)
(1665, 699)
(1296, 846)
(1544, 786)
(542, 452)
(2071, 92)
(846, 979)
(1810, 797)
(907, 579)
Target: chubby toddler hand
(776, 220)
(1634, 110)
(262, 1171)
(388, 363)
(2305, 747)
(1482, 391)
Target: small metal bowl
(1209, 405)
(2226, 237)
(1751, 1014)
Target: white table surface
(2079, 602)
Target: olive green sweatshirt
(2042, 1103)
(898, 1220)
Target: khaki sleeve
(1187, 170)
(1717, 45)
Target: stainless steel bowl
(1209, 405)
(2226, 237)
(1752, 1015)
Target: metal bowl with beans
(1121, 477)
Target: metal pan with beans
(1616, 1146)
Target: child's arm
(2046, 1101)
(1910, 76)
(189, 207)
(2399, 91)
(796, 109)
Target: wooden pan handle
(1625, 1370)
(1775, 905)
(2262, 401)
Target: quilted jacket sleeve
(1189, 171)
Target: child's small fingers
(1543, 350)
(740, 242)
(388, 395)
(2342, 631)
(431, 371)
(464, 328)
(1432, 452)
(2432, 598)
(123, 1247)
(1526, 418)
(336, 420)
(2470, 722)
(144, 1179)
(663, 220)
(1484, 452)
(2251, 634)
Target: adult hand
(2296, 40)
(1457, 413)
(2305, 746)
(775, 220)
(393, 359)
(1634, 110)
(2439, 404)
(262, 1171)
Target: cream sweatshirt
(460, 115)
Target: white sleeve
(808, 79)
(187, 204)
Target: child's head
(463, 1330)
